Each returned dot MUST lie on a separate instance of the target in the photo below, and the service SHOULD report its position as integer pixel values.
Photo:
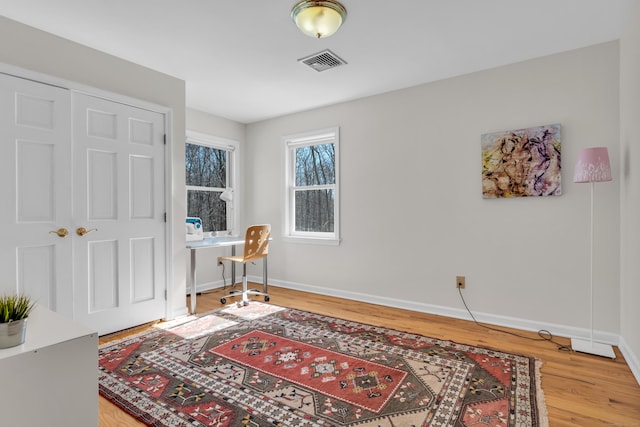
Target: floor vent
(322, 61)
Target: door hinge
(165, 139)
(165, 217)
(165, 294)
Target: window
(211, 170)
(312, 183)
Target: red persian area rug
(263, 365)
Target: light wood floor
(580, 390)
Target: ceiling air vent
(322, 61)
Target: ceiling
(239, 59)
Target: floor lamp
(592, 166)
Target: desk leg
(264, 275)
(193, 281)
(233, 267)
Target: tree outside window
(314, 189)
(312, 182)
(208, 163)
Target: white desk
(211, 242)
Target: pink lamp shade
(593, 165)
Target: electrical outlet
(219, 261)
(460, 282)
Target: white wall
(411, 207)
(35, 50)
(202, 122)
(630, 191)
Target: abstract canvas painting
(521, 163)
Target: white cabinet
(51, 379)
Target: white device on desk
(194, 229)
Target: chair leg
(245, 292)
(245, 289)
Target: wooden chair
(256, 246)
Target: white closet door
(119, 199)
(35, 192)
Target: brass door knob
(81, 231)
(61, 232)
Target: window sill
(311, 240)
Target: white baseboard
(491, 319)
(631, 358)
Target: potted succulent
(14, 310)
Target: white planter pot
(12, 333)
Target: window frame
(290, 143)
(232, 148)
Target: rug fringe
(135, 331)
(542, 406)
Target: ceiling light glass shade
(318, 18)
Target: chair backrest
(256, 242)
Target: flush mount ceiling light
(318, 18)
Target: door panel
(143, 274)
(35, 111)
(142, 187)
(102, 280)
(37, 274)
(102, 191)
(35, 171)
(35, 197)
(120, 149)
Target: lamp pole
(591, 269)
(592, 166)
